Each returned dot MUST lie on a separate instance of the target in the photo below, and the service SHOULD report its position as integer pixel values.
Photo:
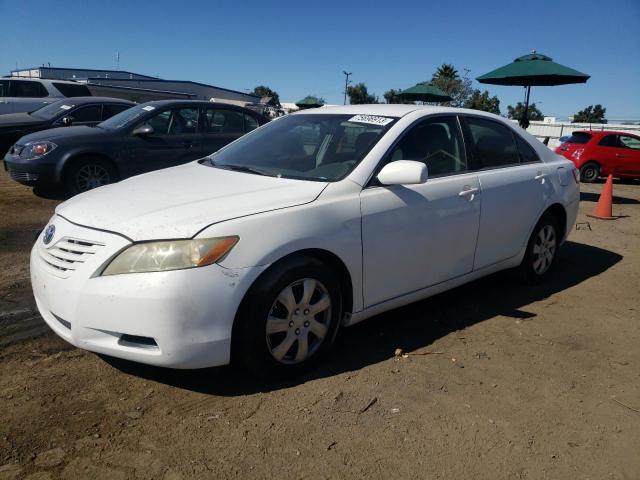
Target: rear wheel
(589, 172)
(541, 250)
(89, 173)
(288, 319)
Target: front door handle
(619, 155)
(187, 145)
(468, 191)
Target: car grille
(24, 176)
(68, 254)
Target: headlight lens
(170, 255)
(37, 149)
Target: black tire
(531, 269)
(589, 172)
(252, 346)
(88, 173)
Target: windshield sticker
(148, 108)
(65, 107)
(371, 120)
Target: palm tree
(446, 70)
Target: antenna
(117, 60)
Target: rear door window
(224, 121)
(72, 90)
(25, 88)
(4, 88)
(90, 113)
(109, 111)
(527, 153)
(609, 141)
(250, 123)
(493, 143)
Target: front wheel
(289, 318)
(541, 250)
(589, 172)
(87, 174)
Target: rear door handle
(467, 190)
(619, 155)
(540, 176)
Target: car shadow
(51, 193)
(616, 200)
(410, 328)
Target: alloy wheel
(544, 249)
(298, 321)
(91, 176)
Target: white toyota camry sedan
(261, 252)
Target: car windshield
(319, 147)
(53, 110)
(126, 117)
(579, 137)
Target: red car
(598, 154)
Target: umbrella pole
(524, 121)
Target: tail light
(576, 175)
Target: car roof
(45, 80)
(164, 103)
(602, 133)
(83, 100)
(392, 110)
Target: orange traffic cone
(603, 207)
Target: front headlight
(33, 150)
(170, 255)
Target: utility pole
(346, 84)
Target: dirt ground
(524, 382)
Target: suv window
(436, 142)
(224, 121)
(90, 113)
(4, 88)
(71, 90)
(627, 141)
(609, 141)
(493, 143)
(578, 137)
(24, 88)
(175, 122)
(250, 123)
(527, 153)
(109, 111)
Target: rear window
(72, 90)
(579, 137)
(26, 89)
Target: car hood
(179, 202)
(63, 132)
(18, 120)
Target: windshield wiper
(240, 168)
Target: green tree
(392, 96)
(446, 70)
(447, 79)
(591, 114)
(516, 113)
(313, 100)
(482, 101)
(359, 95)
(263, 91)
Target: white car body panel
(398, 243)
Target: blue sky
(301, 48)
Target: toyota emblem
(48, 234)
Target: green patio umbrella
(309, 102)
(424, 92)
(531, 70)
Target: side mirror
(143, 130)
(66, 121)
(403, 172)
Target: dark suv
(147, 137)
(88, 111)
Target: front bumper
(31, 172)
(177, 319)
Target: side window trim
(384, 160)
(476, 162)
